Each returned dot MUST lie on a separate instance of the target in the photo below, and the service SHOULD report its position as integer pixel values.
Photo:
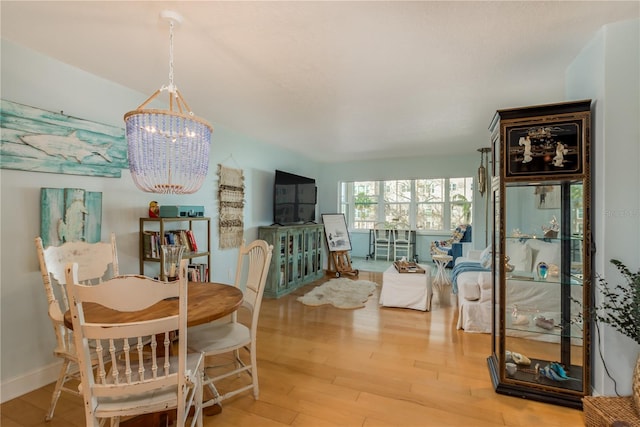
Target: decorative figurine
(554, 371)
(154, 210)
(508, 267)
(543, 270)
(551, 231)
(558, 160)
(526, 141)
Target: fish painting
(37, 140)
(67, 146)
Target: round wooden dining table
(205, 302)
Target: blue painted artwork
(43, 141)
(70, 215)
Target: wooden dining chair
(140, 380)
(96, 262)
(231, 337)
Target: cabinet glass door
(543, 286)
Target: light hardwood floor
(370, 367)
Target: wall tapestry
(231, 205)
(43, 141)
(69, 215)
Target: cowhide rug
(341, 293)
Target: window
(365, 197)
(397, 202)
(438, 204)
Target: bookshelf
(186, 231)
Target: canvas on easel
(335, 231)
(338, 243)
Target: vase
(172, 255)
(635, 386)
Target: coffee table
(406, 290)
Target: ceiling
(334, 80)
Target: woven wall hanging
(231, 205)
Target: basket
(601, 411)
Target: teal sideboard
(297, 257)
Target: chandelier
(168, 149)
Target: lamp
(168, 149)
(482, 171)
(482, 187)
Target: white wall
(608, 71)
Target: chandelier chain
(172, 88)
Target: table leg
(442, 283)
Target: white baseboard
(17, 386)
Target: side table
(442, 282)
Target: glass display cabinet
(541, 252)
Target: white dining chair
(233, 336)
(138, 380)
(402, 244)
(96, 262)
(382, 241)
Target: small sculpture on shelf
(551, 232)
(154, 209)
(517, 233)
(508, 267)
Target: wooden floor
(322, 366)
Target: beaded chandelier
(168, 149)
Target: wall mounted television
(294, 199)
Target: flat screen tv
(294, 199)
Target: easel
(342, 263)
(338, 244)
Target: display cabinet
(541, 252)
(155, 232)
(297, 257)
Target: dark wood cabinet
(541, 260)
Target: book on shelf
(198, 272)
(184, 240)
(192, 240)
(148, 244)
(152, 241)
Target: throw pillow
(484, 280)
(470, 290)
(544, 252)
(458, 233)
(519, 255)
(486, 257)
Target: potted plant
(620, 308)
